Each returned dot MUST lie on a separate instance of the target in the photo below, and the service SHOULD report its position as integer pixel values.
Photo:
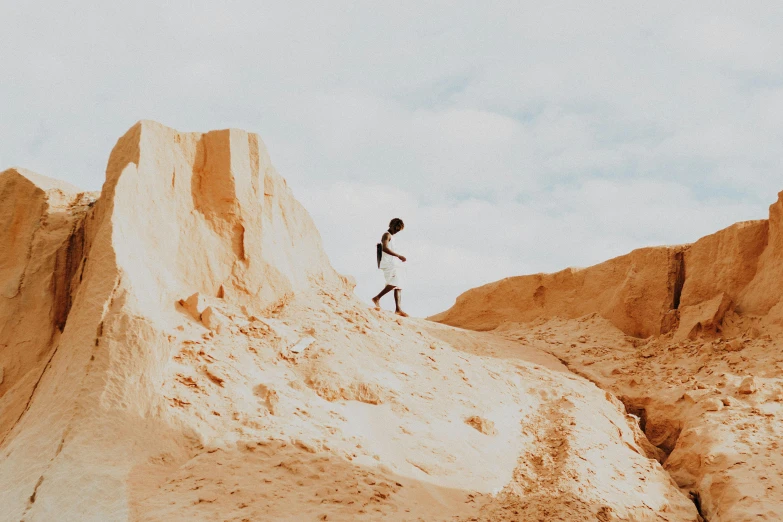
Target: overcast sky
(512, 137)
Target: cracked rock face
(180, 348)
(42, 238)
(705, 385)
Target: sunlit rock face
(178, 347)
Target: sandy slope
(689, 337)
(197, 358)
(370, 422)
(714, 404)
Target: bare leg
(398, 302)
(377, 299)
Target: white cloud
(455, 245)
(511, 137)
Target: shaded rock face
(634, 291)
(763, 293)
(641, 293)
(43, 247)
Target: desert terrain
(689, 339)
(178, 347)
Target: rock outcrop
(644, 292)
(634, 291)
(180, 348)
(725, 262)
(685, 336)
(42, 240)
(90, 298)
(764, 293)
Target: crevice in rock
(35, 491)
(67, 262)
(696, 498)
(677, 279)
(633, 407)
(662, 436)
(670, 319)
(32, 394)
(238, 240)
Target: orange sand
(178, 347)
(688, 337)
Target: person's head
(395, 225)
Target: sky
(511, 137)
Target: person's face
(398, 228)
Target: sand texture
(178, 347)
(692, 345)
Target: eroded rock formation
(90, 292)
(181, 349)
(690, 339)
(42, 240)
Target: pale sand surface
(179, 348)
(370, 423)
(714, 404)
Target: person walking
(390, 262)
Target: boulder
(213, 319)
(195, 305)
(704, 318)
(748, 385)
(482, 425)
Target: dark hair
(396, 222)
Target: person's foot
(401, 313)
(377, 303)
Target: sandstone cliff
(689, 337)
(91, 291)
(645, 292)
(43, 242)
(179, 348)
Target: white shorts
(394, 276)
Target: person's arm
(385, 244)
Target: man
(390, 262)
